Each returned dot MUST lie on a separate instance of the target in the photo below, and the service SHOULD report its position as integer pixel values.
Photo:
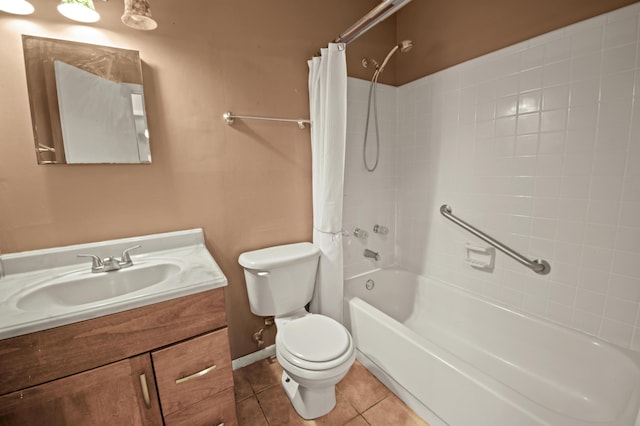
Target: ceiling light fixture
(137, 14)
(79, 10)
(17, 7)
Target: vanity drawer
(192, 371)
(216, 411)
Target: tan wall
(248, 186)
(453, 31)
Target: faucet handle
(380, 229)
(360, 233)
(125, 258)
(96, 263)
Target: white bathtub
(460, 360)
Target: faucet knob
(96, 263)
(360, 233)
(380, 229)
(126, 258)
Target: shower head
(404, 46)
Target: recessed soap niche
(480, 257)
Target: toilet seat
(314, 342)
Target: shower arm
(538, 266)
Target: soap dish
(480, 257)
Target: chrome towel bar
(538, 266)
(229, 117)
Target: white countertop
(23, 273)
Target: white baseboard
(267, 352)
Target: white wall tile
(530, 80)
(557, 50)
(624, 287)
(554, 121)
(537, 144)
(586, 67)
(556, 73)
(556, 97)
(628, 239)
(585, 321)
(621, 31)
(616, 86)
(617, 59)
(616, 332)
(620, 310)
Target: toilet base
(309, 403)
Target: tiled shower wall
(369, 197)
(538, 145)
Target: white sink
(43, 289)
(86, 287)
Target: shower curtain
(328, 105)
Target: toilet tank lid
(277, 256)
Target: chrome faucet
(371, 254)
(110, 263)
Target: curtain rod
(371, 19)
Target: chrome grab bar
(538, 266)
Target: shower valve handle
(380, 229)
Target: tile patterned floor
(361, 400)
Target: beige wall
(453, 31)
(248, 186)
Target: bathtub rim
(632, 355)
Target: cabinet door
(109, 395)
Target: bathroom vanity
(162, 362)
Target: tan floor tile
(340, 415)
(357, 421)
(278, 409)
(361, 388)
(358, 392)
(262, 374)
(242, 387)
(392, 411)
(249, 413)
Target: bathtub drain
(370, 284)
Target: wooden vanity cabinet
(109, 395)
(167, 363)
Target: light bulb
(17, 7)
(79, 10)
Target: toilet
(315, 351)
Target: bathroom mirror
(87, 103)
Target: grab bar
(538, 266)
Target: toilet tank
(280, 279)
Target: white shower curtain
(328, 104)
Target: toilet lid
(315, 338)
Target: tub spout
(371, 254)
